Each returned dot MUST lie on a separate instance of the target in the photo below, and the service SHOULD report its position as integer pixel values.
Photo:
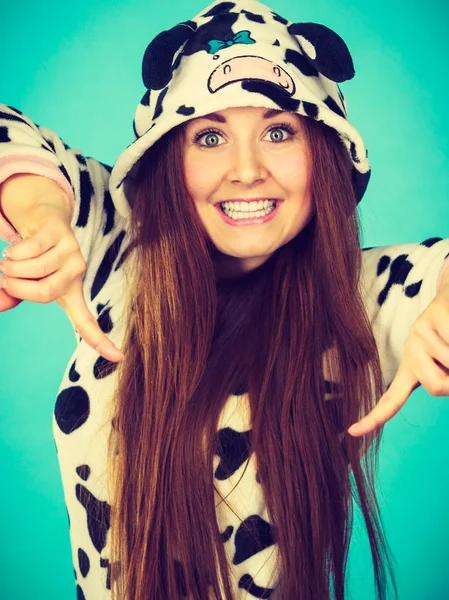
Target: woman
(213, 460)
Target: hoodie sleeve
(397, 284)
(27, 148)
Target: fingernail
(6, 254)
(356, 428)
(2, 282)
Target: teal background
(75, 68)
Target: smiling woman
(210, 457)
(250, 182)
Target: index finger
(87, 326)
(389, 404)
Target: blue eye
(211, 138)
(277, 133)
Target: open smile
(248, 213)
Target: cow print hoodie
(397, 282)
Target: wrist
(26, 196)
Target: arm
(27, 148)
(397, 284)
(412, 337)
(75, 190)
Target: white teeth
(247, 206)
(245, 210)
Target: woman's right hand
(48, 265)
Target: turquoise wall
(75, 68)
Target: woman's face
(248, 170)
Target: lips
(234, 213)
(249, 199)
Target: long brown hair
(296, 333)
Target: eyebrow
(268, 114)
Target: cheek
(292, 170)
(199, 180)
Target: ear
(325, 50)
(158, 57)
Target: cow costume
(232, 54)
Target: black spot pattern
(253, 536)
(105, 321)
(73, 373)
(109, 209)
(160, 99)
(105, 564)
(72, 408)
(383, 263)
(4, 137)
(86, 193)
(65, 173)
(83, 471)
(219, 8)
(79, 593)
(83, 562)
(146, 98)
(50, 145)
(330, 102)
(233, 448)
(185, 110)
(300, 62)
(340, 94)
(253, 16)
(355, 156)
(412, 290)
(105, 268)
(123, 257)
(278, 18)
(226, 534)
(103, 367)
(430, 242)
(273, 92)
(98, 516)
(79, 157)
(276, 43)
(9, 117)
(247, 583)
(310, 109)
(399, 270)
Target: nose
(246, 164)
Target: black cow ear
(325, 50)
(158, 57)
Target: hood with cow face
(233, 54)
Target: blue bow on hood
(242, 37)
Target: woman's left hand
(425, 362)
